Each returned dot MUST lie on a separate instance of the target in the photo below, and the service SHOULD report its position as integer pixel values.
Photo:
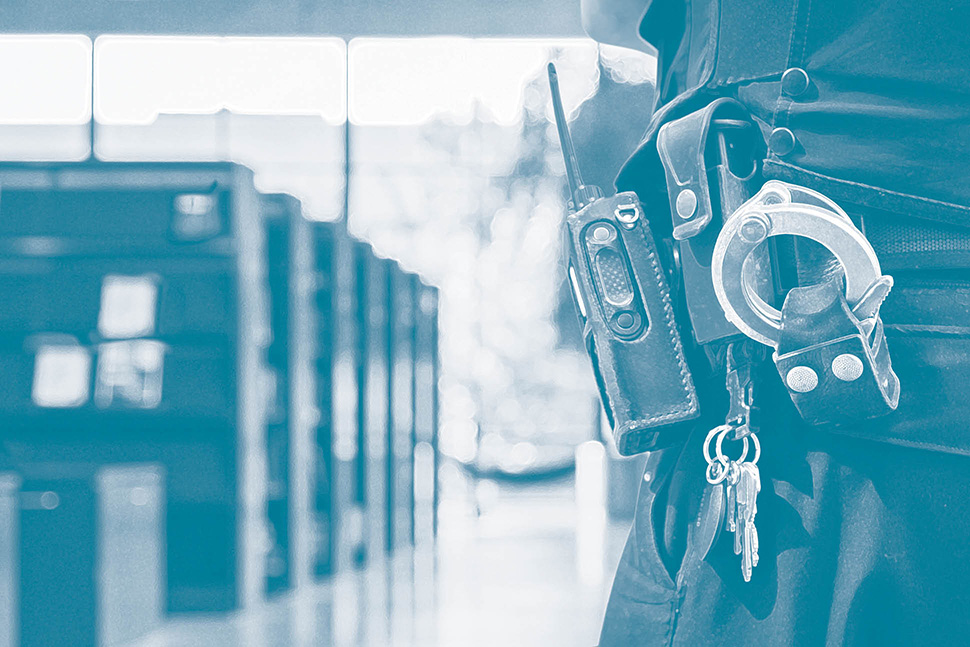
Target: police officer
(864, 527)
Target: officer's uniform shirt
(874, 92)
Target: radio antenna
(580, 194)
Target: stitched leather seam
(691, 406)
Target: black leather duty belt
(905, 243)
(907, 232)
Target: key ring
(720, 429)
(757, 449)
(722, 472)
(744, 452)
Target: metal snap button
(625, 320)
(802, 379)
(794, 82)
(781, 141)
(847, 367)
(686, 203)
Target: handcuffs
(830, 348)
(828, 341)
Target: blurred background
(286, 351)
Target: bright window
(46, 80)
(141, 77)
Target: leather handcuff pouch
(835, 366)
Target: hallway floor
(530, 567)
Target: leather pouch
(628, 323)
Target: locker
(91, 569)
(374, 398)
(401, 431)
(426, 412)
(184, 297)
(291, 466)
(340, 498)
(135, 207)
(137, 331)
(177, 380)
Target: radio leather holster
(629, 329)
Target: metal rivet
(794, 82)
(686, 203)
(754, 229)
(847, 367)
(801, 379)
(781, 141)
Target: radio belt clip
(709, 165)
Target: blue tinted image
(575, 323)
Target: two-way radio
(624, 306)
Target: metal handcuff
(785, 209)
(830, 348)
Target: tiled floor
(531, 568)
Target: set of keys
(740, 480)
(737, 482)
